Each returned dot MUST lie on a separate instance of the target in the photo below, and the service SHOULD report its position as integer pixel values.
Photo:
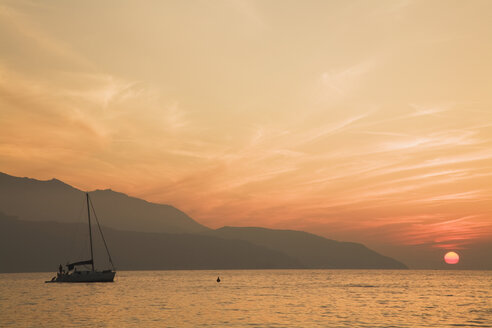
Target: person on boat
(60, 269)
(218, 279)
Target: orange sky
(367, 121)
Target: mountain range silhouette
(42, 223)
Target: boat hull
(85, 276)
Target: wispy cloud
(332, 128)
(445, 233)
(340, 82)
(474, 195)
(24, 27)
(428, 110)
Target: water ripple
(261, 298)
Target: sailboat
(74, 275)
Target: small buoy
(218, 279)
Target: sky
(366, 121)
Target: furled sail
(72, 265)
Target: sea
(252, 298)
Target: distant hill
(40, 246)
(53, 200)
(313, 251)
(145, 235)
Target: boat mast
(90, 229)
(102, 235)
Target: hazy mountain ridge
(143, 230)
(40, 246)
(312, 251)
(53, 200)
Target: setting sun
(451, 258)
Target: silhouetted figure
(218, 279)
(60, 269)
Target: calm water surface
(252, 298)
